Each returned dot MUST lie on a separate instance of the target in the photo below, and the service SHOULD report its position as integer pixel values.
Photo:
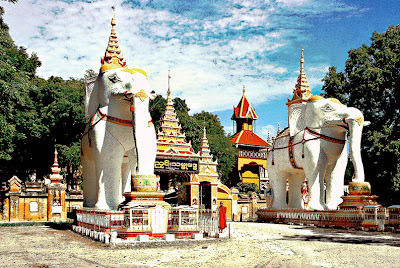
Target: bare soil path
(253, 245)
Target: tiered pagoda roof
(244, 114)
(244, 109)
(302, 90)
(249, 138)
(207, 166)
(113, 57)
(170, 141)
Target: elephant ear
(297, 120)
(91, 96)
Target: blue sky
(212, 47)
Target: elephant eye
(327, 108)
(114, 78)
(128, 86)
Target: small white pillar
(143, 238)
(107, 238)
(169, 237)
(230, 229)
(197, 236)
(113, 237)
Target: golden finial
(302, 62)
(244, 89)
(55, 157)
(302, 89)
(169, 78)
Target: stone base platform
(145, 199)
(357, 201)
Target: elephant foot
(88, 204)
(334, 204)
(102, 206)
(316, 206)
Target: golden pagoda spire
(302, 89)
(169, 85)
(113, 57)
(56, 177)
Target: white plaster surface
(324, 161)
(106, 172)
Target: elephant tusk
(359, 120)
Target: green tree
(371, 82)
(18, 120)
(157, 108)
(35, 114)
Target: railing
(208, 222)
(99, 220)
(369, 217)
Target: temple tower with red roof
(252, 149)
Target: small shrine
(176, 155)
(252, 154)
(39, 199)
(206, 188)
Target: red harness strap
(114, 119)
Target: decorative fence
(182, 221)
(208, 222)
(370, 217)
(100, 220)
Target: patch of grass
(25, 223)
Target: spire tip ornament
(302, 90)
(113, 57)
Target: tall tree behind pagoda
(371, 82)
(35, 113)
(18, 117)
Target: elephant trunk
(355, 128)
(133, 110)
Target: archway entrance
(205, 195)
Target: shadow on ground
(347, 237)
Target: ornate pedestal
(359, 196)
(145, 199)
(146, 213)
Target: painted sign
(252, 154)
(177, 165)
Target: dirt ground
(253, 245)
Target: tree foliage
(371, 82)
(36, 113)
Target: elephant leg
(295, 200)
(126, 175)
(335, 181)
(109, 174)
(146, 148)
(278, 185)
(315, 174)
(90, 183)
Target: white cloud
(210, 57)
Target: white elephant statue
(313, 148)
(120, 138)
